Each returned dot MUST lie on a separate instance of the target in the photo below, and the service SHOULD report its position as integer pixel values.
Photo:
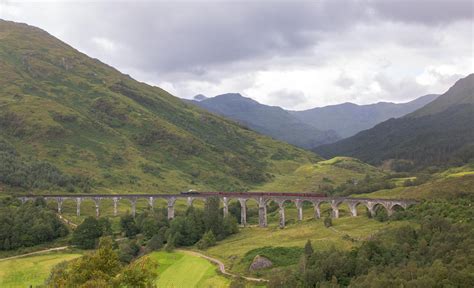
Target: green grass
(31, 270)
(179, 269)
(313, 177)
(345, 233)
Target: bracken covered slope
(72, 123)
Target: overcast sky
(297, 55)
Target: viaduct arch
(263, 199)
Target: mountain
(269, 120)
(200, 97)
(71, 123)
(347, 119)
(440, 133)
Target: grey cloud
(288, 98)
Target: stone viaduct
(263, 199)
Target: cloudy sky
(292, 54)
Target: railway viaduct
(263, 199)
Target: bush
(327, 222)
(208, 240)
(88, 233)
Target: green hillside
(439, 134)
(322, 176)
(71, 123)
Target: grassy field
(345, 233)
(178, 269)
(32, 270)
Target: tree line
(28, 225)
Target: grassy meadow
(31, 270)
(345, 233)
(179, 269)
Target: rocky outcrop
(260, 262)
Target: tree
(87, 233)
(94, 270)
(170, 243)
(141, 274)
(128, 225)
(208, 240)
(328, 222)
(213, 217)
(155, 243)
(308, 249)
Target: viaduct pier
(263, 199)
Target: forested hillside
(72, 123)
(441, 134)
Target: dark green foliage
(155, 243)
(308, 249)
(458, 210)
(128, 250)
(207, 240)
(27, 225)
(280, 256)
(128, 225)
(103, 268)
(327, 221)
(183, 230)
(89, 231)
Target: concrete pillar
(134, 206)
(116, 199)
(171, 207)
(353, 208)
(281, 211)
(335, 209)
(151, 202)
(78, 206)
(370, 206)
(299, 207)
(97, 207)
(262, 213)
(389, 208)
(190, 201)
(243, 211)
(60, 205)
(317, 210)
(226, 206)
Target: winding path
(36, 252)
(221, 266)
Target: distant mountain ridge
(348, 119)
(269, 120)
(440, 133)
(309, 128)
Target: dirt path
(36, 252)
(222, 266)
